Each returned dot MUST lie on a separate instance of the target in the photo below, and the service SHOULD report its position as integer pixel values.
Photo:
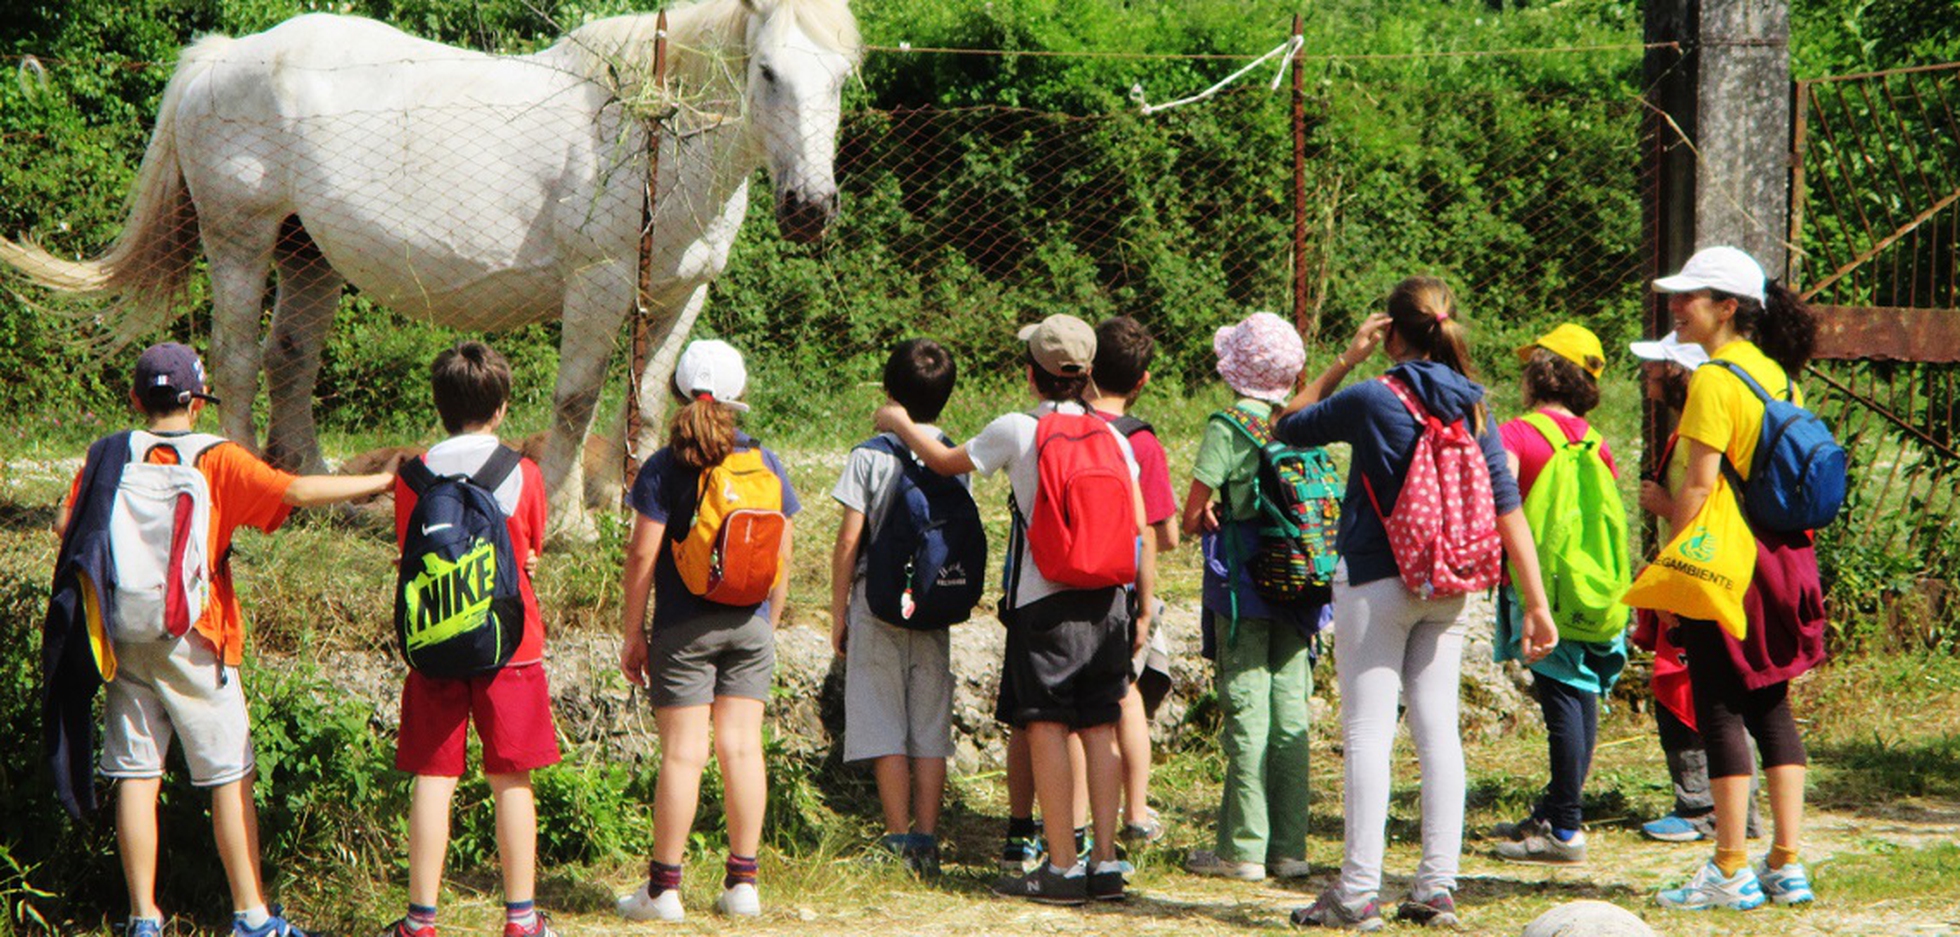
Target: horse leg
(673, 314)
(596, 299)
(238, 260)
(308, 296)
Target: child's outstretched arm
(942, 459)
(314, 490)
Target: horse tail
(148, 267)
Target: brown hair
(1123, 352)
(1783, 326)
(1550, 378)
(1673, 382)
(701, 432)
(470, 382)
(1058, 386)
(1423, 312)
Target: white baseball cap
(713, 367)
(1671, 348)
(1726, 269)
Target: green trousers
(1263, 684)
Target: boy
(898, 682)
(510, 706)
(1067, 661)
(188, 688)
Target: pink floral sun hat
(1260, 357)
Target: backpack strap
(1129, 425)
(1789, 391)
(416, 475)
(497, 468)
(1555, 434)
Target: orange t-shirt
(244, 492)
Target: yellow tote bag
(1705, 570)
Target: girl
(1388, 641)
(1264, 671)
(1560, 383)
(1723, 302)
(705, 663)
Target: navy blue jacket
(69, 675)
(1383, 435)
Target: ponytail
(702, 433)
(1786, 329)
(1423, 312)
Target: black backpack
(458, 609)
(925, 565)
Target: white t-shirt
(1009, 442)
(465, 454)
(869, 480)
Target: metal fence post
(1308, 330)
(643, 292)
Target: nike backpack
(459, 609)
(925, 563)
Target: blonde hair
(702, 433)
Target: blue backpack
(458, 608)
(1798, 477)
(926, 561)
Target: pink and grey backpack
(1444, 528)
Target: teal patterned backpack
(1298, 492)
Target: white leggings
(1388, 644)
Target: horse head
(800, 54)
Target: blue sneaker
(1711, 889)
(1020, 855)
(1672, 828)
(1787, 885)
(275, 926)
(143, 927)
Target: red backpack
(1444, 529)
(1082, 531)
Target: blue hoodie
(1383, 435)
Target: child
(188, 688)
(1392, 643)
(1265, 673)
(898, 682)
(510, 706)
(704, 661)
(1067, 660)
(1560, 382)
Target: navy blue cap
(170, 370)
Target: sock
(1076, 872)
(662, 877)
(1730, 861)
(524, 914)
(1021, 827)
(1563, 836)
(1108, 866)
(741, 870)
(254, 917)
(1780, 856)
(1082, 841)
(420, 916)
(130, 928)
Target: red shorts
(512, 712)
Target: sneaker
(1149, 831)
(640, 906)
(1787, 885)
(1288, 868)
(143, 927)
(1673, 828)
(1518, 831)
(1545, 849)
(275, 926)
(921, 855)
(1710, 889)
(740, 901)
(1107, 885)
(1047, 886)
(1328, 911)
(1020, 855)
(1206, 862)
(401, 928)
(540, 927)
(1438, 910)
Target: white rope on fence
(1285, 51)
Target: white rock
(1588, 919)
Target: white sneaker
(1787, 885)
(740, 901)
(638, 906)
(1710, 889)
(1206, 862)
(1288, 868)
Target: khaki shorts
(695, 662)
(175, 689)
(898, 689)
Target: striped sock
(420, 916)
(662, 877)
(741, 870)
(524, 914)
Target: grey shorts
(167, 690)
(898, 689)
(730, 653)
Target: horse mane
(703, 39)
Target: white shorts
(898, 688)
(175, 689)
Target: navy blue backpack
(1797, 480)
(926, 561)
(458, 608)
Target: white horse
(476, 191)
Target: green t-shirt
(1228, 462)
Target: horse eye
(768, 74)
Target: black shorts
(1067, 660)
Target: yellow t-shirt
(1722, 411)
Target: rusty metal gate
(1875, 246)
